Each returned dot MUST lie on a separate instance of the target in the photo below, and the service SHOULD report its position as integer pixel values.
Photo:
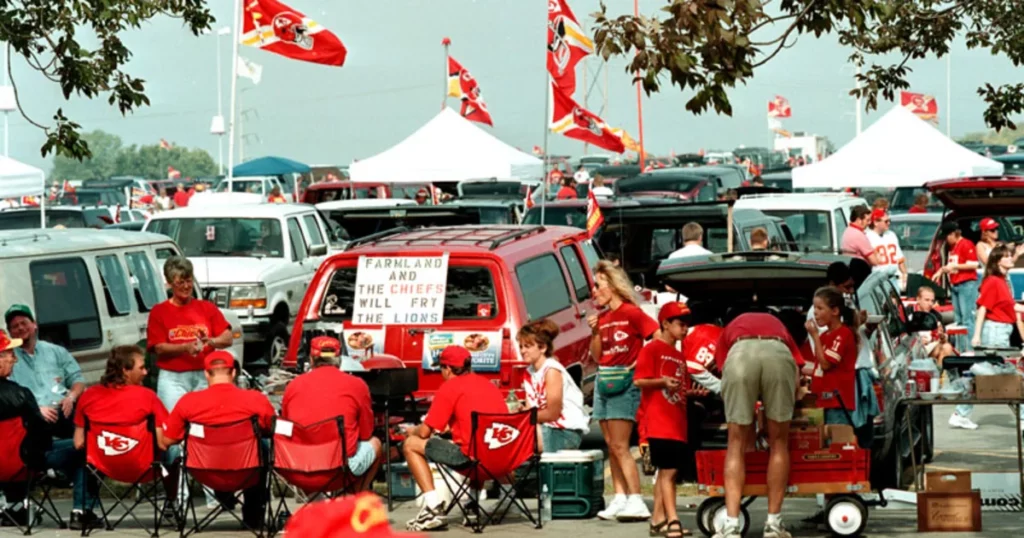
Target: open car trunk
(975, 196)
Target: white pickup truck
(256, 260)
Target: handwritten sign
(400, 290)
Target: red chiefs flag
(567, 45)
(463, 86)
(574, 121)
(925, 106)
(779, 108)
(173, 173)
(275, 27)
(594, 217)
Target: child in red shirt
(962, 268)
(834, 378)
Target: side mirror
(318, 250)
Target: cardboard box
(998, 387)
(949, 512)
(948, 482)
(812, 415)
(840, 434)
(805, 437)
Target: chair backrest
(224, 457)
(12, 467)
(502, 442)
(121, 451)
(312, 457)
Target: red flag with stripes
(463, 86)
(594, 217)
(567, 45)
(574, 121)
(275, 27)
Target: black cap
(947, 228)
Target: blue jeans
(965, 298)
(993, 334)
(171, 386)
(556, 439)
(62, 457)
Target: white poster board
(400, 290)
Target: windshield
(223, 236)
(100, 198)
(409, 190)
(915, 235)
(642, 184)
(254, 187)
(903, 198)
(25, 220)
(811, 229)
(558, 216)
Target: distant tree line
(111, 158)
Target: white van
(90, 290)
(817, 220)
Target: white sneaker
(957, 421)
(732, 531)
(777, 530)
(635, 510)
(613, 508)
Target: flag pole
(236, 36)
(639, 105)
(949, 94)
(444, 100)
(544, 156)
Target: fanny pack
(614, 380)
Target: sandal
(657, 529)
(674, 529)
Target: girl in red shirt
(619, 332)
(834, 378)
(997, 311)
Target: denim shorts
(362, 460)
(556, 439)
(996, 334)
(622, 406)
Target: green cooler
(575, 481)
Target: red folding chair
(502, 446)
(126, 453)
(14, 470)
(224, 458)
(310, 458)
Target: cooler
(403, 487)
(575, 481)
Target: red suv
(498, 279)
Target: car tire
(277, 345)
(888, 473)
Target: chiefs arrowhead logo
(620, 336)
(499, 435)
(113, 444)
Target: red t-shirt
(327, 392)
(181, 199)
(623, 332)
(995, 297)
(754, 324)
(455, 402)
(122, 404)
(173, 324)
(963, 252)
(217, 405)
(699, 348)
(840, 347)
(917, 209)
(566, 193)
(664, 411)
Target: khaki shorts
(762, 368)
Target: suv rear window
(468, 288)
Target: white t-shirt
(690, 250)
(603, 191)
(887, 249)
(573, 417)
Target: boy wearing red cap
(962, 268)
(462, 393)
(325, 392)
(887, 249)
(662, 377)
(219, 404)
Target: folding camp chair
(13, 470)
(227, 458)
(500, 445)
(312, 459)
(129, 454)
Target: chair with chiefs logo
(311, 459)
(502, 448)
(13, 470)
(128, 454)
(224, 458)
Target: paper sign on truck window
(400, 290)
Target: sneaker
(957, 421)
(14, 518)
(732, 531)
(634, 510)
(83, 520)
(613, 509)
(776, 530)
(429, 519)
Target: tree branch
(789, 30)
(17, 99)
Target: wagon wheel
(846, 515)
(705, 512)
(719, 514)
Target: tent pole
(236, 36)
(444, 100)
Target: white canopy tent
(448, 148)
(18, 179)
(898, 150)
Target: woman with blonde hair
(618, 335)
(550, 389)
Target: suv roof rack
(372, 238)
(491, 236)
(31, 236)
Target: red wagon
(840, 471)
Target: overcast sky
(393, 82)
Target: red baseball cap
(324, 346)
(878, 214)
(454, 357)
(354, 515)
(673, 310)
(219, 358)
(7, 343)
(988, 224)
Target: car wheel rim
(844, 518)
(278, 348)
